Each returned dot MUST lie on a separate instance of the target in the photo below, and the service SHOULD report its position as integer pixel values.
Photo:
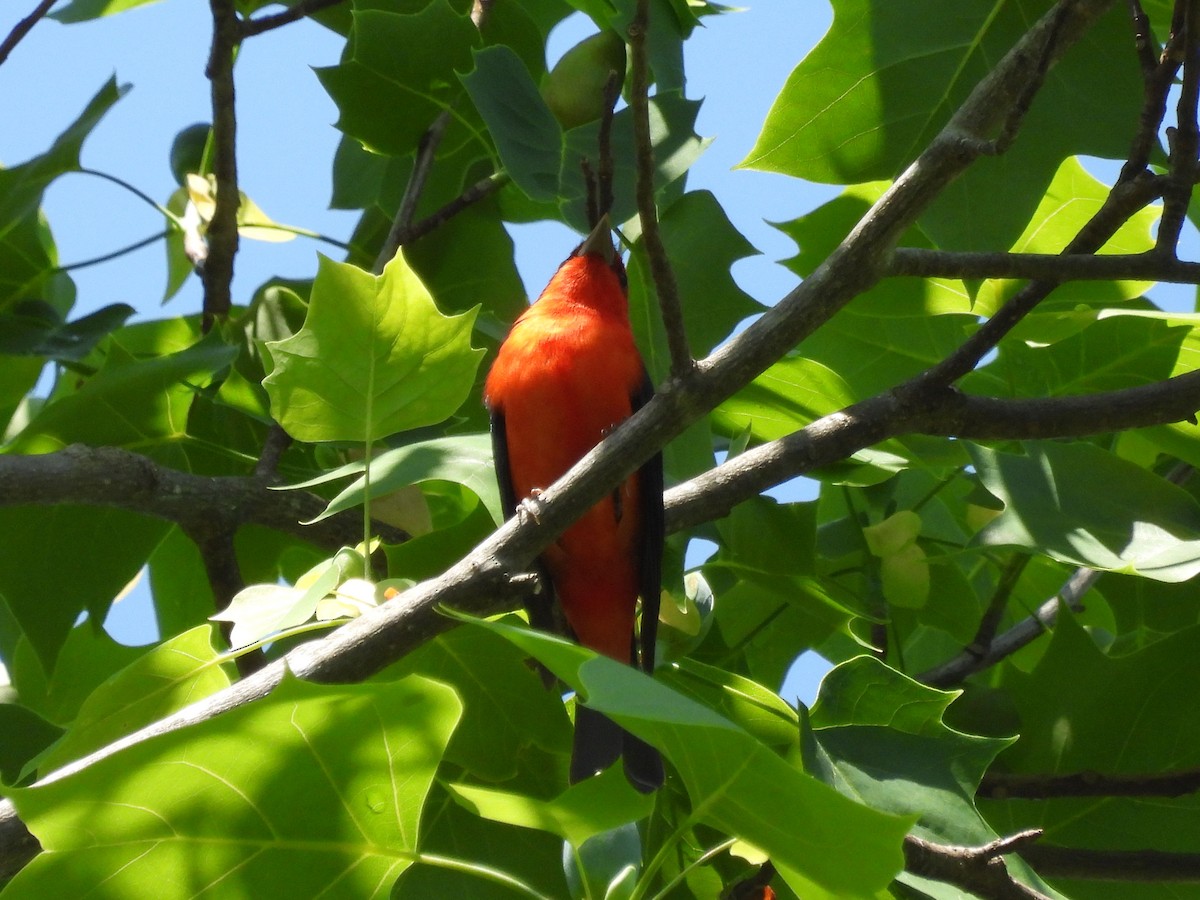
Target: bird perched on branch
(566, 375)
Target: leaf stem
(481, 871)
(96, 260)
(137, 192)
(694, 864)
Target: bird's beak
(599, 242)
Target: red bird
(566, 375)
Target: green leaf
(182, 595)
(88, 657)
(867, 691)
(582, 811)
(818, 233)
(27, 254)
(463, 459)
(527, 136)
(387, 99)
(1071, 200)
(21, 186)
(886, 78)
(26, 734)
(695, 228)
(129, 401)
(374, 357)
(468, 261)
(215, 803)
(1084, 711)
(167, 678)
(46, 588)
(85, 10)
(1108, 352)
(879, 737)
(508, 715)
(450, 831)
(260, 610)
(1138, 524)
(34, 328)
(735, 783)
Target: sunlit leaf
(177, 814)
(374, 357)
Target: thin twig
(661, 271)
(480, 190)
(1182, 176)
(1007, 786)
(992, 616)
(1122, 202)
(1157, 83)
(23, 28)
(222, 230)
(605, 166)
(302, 9)
(422, 166)
(1018, 636)
(1143, 40)
(274, 446)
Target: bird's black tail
(599, 741)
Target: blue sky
(736, 63)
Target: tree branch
(1009, 785)
(202, 505)
(1112, 865)
(403, 231)
(222, 234)
(304, 8)
(911, 261)
(1177, 194)
(917, 407)
(980, 870)
(665, 285)
(23, 28)
(975, 659)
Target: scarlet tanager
(566, 375)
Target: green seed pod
(574, 88)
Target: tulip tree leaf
(214, 803)
(735, 782)
(464, 459)
(887, 77)
(167, 678)
(1138, 524)
(398, 74)
(1072, 705)
(374, 357)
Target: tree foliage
(976, 371)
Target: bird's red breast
(563, 379)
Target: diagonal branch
(23, 28)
